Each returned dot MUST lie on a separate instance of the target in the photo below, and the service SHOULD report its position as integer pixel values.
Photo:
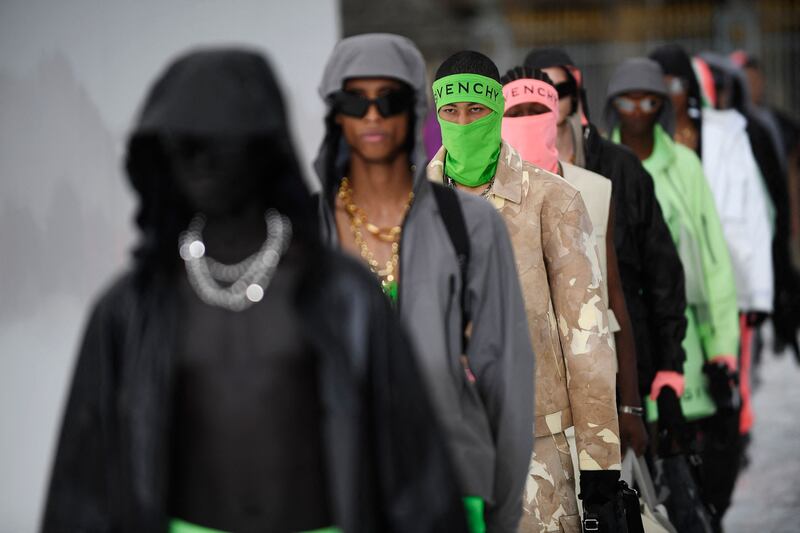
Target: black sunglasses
(356, 105)
(566, 88)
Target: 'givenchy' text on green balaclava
(472, 149)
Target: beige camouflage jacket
(560, 277)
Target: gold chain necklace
(358, 220)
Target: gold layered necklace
(358, 221)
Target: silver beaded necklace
(248, 279)
(485, 193)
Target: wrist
(632, 398)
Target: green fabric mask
(472, 149)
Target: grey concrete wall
(72, 75)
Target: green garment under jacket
(712, 311)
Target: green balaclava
(472, 149)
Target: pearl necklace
(247, 279)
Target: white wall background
(72, 75)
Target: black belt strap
(453, 218)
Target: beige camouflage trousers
(549, 502)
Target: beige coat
(560, 278)
(596, 194)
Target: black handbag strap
(453, 218)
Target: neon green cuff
(474, 507)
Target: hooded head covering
(213, 94)
(730, 77)
(547, 58)
(674, 61)
(371, 55)
(638, 74)
(555, 57)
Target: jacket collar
(507, 179)
(663, 153)
(592, 146)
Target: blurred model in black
(786, 131)
(789, 135)
(272, 394)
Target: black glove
(723, 385)
(671, 423)
(599, 497)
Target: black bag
(680, 494)
(622, 515)
(629, 503)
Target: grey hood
(372, 55)
(638, 74)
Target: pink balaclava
(533, 136)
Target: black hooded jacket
(651, 271)
(387, 467)
(786, 307)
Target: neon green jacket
(691, 216)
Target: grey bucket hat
(638, 74)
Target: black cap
(547, 58)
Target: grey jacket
(488, 422)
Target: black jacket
(786, 307)
(387, 465)
(649, 266)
